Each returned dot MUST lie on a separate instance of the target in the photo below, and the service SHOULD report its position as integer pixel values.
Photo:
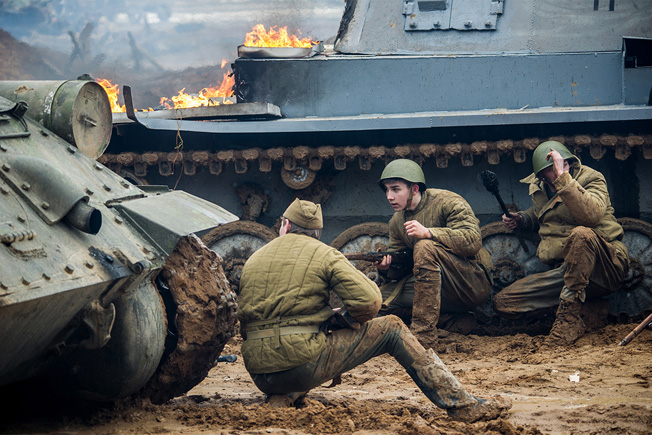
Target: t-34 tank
(461, 86)
(105, 287)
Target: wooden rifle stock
(647, 323)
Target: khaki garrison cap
(305, 214)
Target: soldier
(450, 265)
(293, 340)
(580, 238)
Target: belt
(284, 330)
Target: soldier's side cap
(305, 214)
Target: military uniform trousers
(592, 268)
(463, 283)
(349, 348)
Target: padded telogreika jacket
(581, 200)
(287, 283)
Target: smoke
(175, 34)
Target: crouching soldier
(294, 341)
(450, 273)
(580, 237)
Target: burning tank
(459, 86)
(105, 287)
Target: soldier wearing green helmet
(580, 239)
(450, 265)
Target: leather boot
(426, 307)
(284, 400)
(485, 409)
(445, 390)
(568, 326)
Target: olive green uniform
(283, 307)
(452, 262)
(580, 239)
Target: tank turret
(105, 287)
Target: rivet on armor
(6, 167)
(487, 24)
(4, 190)
(437, 24)
(3, 285)
(3, 148)
(72, 150)
(98, 166)
(69, 268)
(45, 205)
(25, 186)
(118, 219)
(46, 276)
(107, 187)
(89, 191)
(25, 281)
(413, 25)
(124, 184)
(468, 24)
(43, 133)
(146, 249)
(21, 218)
(89, 264)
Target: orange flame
(112, 91)
(213, 96)
(259, 37)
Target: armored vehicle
(105, 287)
(460, 86)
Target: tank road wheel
(635, 297)
(511, 262)
(366, 237)
(201, 315)
(298, 178)
(235, 242)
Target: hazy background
(169, 37)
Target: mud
(591, 387)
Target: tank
(460, 86)
(106, 289)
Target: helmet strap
(409, 199)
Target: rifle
(399, 257)
(491, 184)
(647, 323)
(402, 261)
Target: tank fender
(49, 191)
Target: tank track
(313, 158)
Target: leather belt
(284, 330)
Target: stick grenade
(491, 184)
(647, 323)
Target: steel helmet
(404, 169)
(539, 161)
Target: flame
(259, 37)
(112, 91)
(206, 97)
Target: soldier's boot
(568, 326)
(444, 390)
(426, 307)
(285, 400)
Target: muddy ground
(593, 387)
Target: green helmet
(404, 169)
(539, 161)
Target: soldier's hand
(415, 229)
(385, 263)
(557, 162)
(512, 221)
